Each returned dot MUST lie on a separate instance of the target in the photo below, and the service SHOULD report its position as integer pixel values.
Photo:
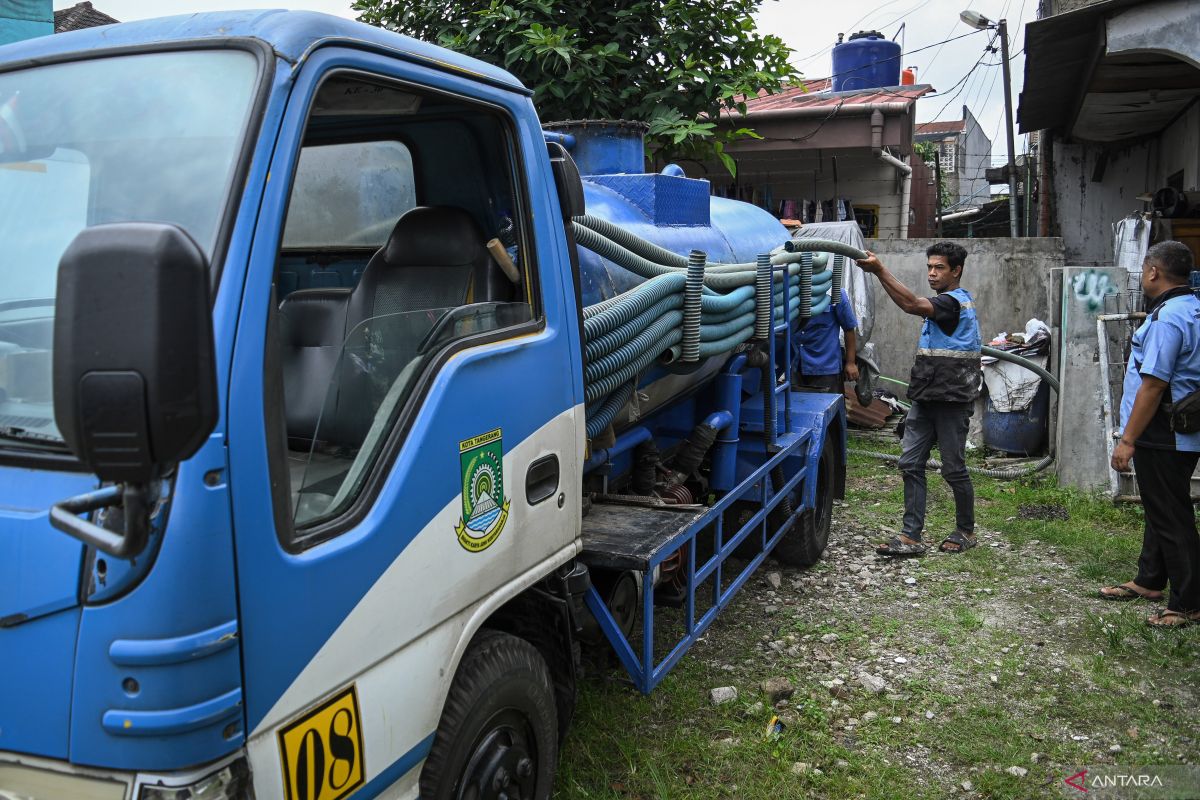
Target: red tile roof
(816, 94)
(78, 17)
(947, 126)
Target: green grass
(1067, 665)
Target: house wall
(861, 177)
(975, 155)
(1087, 209)
(25, 19)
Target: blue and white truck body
(298, 497)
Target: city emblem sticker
(484, 506)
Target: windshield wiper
(40, 441)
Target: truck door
(405, 415)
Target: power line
(902, 55)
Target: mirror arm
(134, 499)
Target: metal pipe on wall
(904, 169)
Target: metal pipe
(823, 112)
(625, 442)
(729, 396)
(904, 169)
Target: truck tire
(498, 735)
(804, 544)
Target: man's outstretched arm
(901, 295)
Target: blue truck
(338, 410)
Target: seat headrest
(429, 235)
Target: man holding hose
(943, 387)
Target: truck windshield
(151, 137)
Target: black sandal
(895, 548)
(964, 541)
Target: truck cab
(378, 387)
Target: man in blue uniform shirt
(1164, 368)
(943, 386)
(821, 348)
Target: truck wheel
(803, 545)
(497, 739)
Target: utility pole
(937, 188)
(1002, 27)
(980, 22)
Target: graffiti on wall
(1092, 287)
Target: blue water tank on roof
(866, 61)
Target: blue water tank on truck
(336, 408)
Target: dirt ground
(994, 673)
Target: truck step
(627, 537)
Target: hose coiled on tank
(603, 414)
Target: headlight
(231, 782)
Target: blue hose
(603, 345)
(603, 415)
(606, 384)
(632, 305)
(646, 341)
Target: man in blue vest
(943, 386)
(821, 349)
(1164, 368)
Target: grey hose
(1002, 474)
(793, 247)
(1004, 355)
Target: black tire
(498, 735)
(804, 544)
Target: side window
(349, 195)
(404, 239)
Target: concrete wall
(1087, 209)
(1082, 451)
(1011, 280)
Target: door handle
(541, 482)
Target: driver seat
(434, 258)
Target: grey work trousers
(945, 424)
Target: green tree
(672, 63)
(928, 152)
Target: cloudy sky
(810, 27)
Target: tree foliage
(671, 63)
(929, 153)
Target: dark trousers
(1170, 545)
(825, 384)
(945, 424)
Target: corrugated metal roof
(945, 126)
(816, 94)
(80, 16)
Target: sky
(810, 28)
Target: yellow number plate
(322, 753)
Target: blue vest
(947, 367)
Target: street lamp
(977, 20)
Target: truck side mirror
(566, 181)
(134, 377)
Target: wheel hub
(501, 767)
